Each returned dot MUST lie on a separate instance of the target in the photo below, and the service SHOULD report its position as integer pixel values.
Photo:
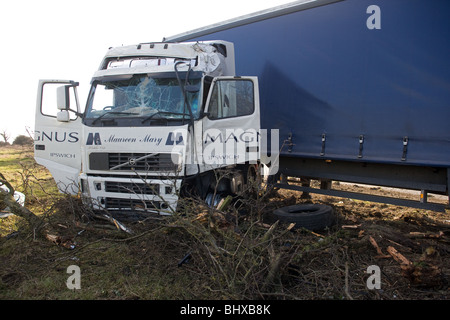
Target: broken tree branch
(427, 235)
(398, 256)
(375, 244)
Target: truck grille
(156, 162)
(131, 204)
(133, 188)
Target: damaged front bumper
(130, 194)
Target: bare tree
(5, 135)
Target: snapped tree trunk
(8, 201)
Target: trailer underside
(424, 179)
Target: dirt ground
(410, 246)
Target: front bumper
(131, 194)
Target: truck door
(231, 125)
(57, 138)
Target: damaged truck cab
(160, 118)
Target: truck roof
(206, 56)
(159, 49)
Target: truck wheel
(309, 216)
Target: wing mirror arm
(63, 102)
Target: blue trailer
(359, 90)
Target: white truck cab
(160, 118)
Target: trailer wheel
(309, 216)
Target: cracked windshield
(143, 96)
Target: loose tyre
(309, 216)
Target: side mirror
(62, 98)
(63, 116)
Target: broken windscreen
(144, 97)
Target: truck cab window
(48, 100)
(231, 98)
(141, 96)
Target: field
(241, 252)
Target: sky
(54, 39)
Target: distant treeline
(20, 140)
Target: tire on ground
(309, 216)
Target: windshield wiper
(183, 90)
(164, 112)
(113, 112)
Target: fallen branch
(427, 235)
(380, 253)
(398, 256)
(399, 244)
(351, 226)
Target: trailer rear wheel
(309, 216)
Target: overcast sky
(54, 39)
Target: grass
(110, 267)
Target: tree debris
(429, 235)
(8, 200)
(398, 256)
(380, 253)
(60, 241)
(119, 225)
(421, 273)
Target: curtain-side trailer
(358, 89)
